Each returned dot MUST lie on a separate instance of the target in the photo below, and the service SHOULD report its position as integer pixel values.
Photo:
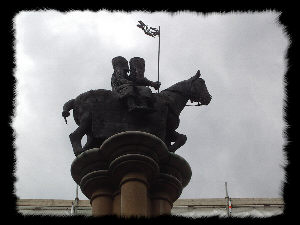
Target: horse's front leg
(178, 139)
(77, 135)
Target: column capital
(92, 181)
(166, 187)
(87, 162)
(178, 167)
(133, 163)
(134, 142)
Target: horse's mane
(178, 87)
(92, 92)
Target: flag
(151, 31)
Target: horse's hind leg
(178, 139)
(89, 142)
(77, 135)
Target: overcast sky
(237, 138)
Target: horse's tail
(69, 105)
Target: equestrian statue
(131, 106)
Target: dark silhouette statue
(131, 106)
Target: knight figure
(133, 88)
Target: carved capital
(133, 163)
(91, 182)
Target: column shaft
(161, 206)
(117, 204)
(101, 202)
(134, 195)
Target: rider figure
(143, 93)
(131, 88)
(119, 77)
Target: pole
(158, 53)
(227, 201)
(74, 205)
(72, 209)
(76, 200)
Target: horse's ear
(196, 76)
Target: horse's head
(197, 90)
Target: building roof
(258, 207)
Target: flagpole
(158, 53)
(152, 32)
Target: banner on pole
(151, 31)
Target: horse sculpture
(100, 114)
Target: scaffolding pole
(228, 202)
(75, 205)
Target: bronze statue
(101, 113)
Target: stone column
(134, 191)
(161, 205)
(175, 174)
(149, 205)
(165, 190)
(133, 171)
(117, 203)
(90, 171)
(134, 164)
(101, 202)
(97, 186)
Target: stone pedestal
(131, 174)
